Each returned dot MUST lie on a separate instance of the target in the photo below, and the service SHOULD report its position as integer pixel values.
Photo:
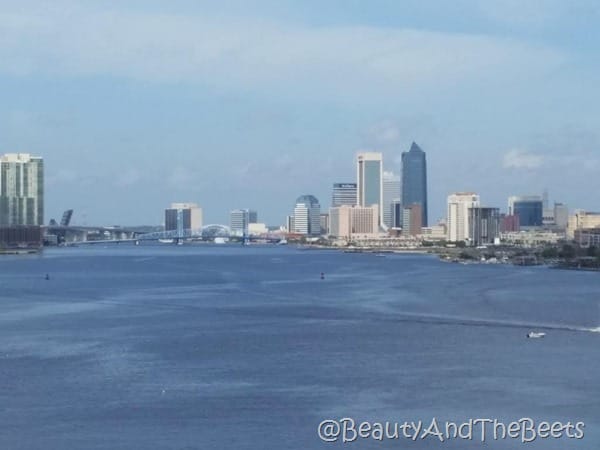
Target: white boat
(166, 241)
(535, 334)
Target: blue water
(219, 347)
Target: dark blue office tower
(414, 179)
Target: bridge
(76, 235)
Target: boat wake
(457, 320)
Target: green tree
(550, 252)
(568, 251)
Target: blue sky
(137, 104)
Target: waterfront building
(21, 189)
(529, 208)
(458, 215)
(582, 220)
(347, 221)
(587, 237)
(289, 224)
(340, 222)
(412, 215)
(369, 168)
(391, 193)
(239, 219)
(434, 233)
(257, 229)
(307, 216)
(344, 194)
(20, 238)
(484, 225)
(414, 179)
(531, 238)
(183, 216)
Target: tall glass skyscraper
(529, 208)
(369, 167)
(414, 180)
(391, 192)
(21, 189)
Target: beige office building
(581, 220)
(348, 221)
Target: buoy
(47, 277)
(322, 276)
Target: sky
(235, 104)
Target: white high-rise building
(458, 215)
(240, 219)
(391, 192)
(307, 216)
(21, 189)
(369, 177)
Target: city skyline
(503, 93)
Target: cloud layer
(254, 53)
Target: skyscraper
(21, 189)
(343, 194)
(414, 179)
(369, 168)
(458, 215)
(307, 216)
(239, 219)
(529, 208)
(391, 192)
(183, 216)
(484, 225)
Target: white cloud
(352, 60)
(520, 159)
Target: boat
(166, 241)
(535, 334)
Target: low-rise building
(588, 237)
(582, 220)
(531, 238)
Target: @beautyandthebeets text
(525, 430)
